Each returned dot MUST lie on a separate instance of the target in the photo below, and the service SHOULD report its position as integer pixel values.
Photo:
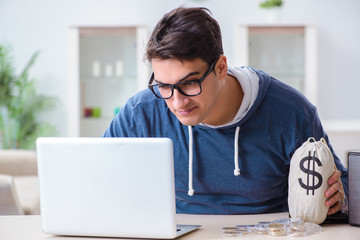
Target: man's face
(189, 110)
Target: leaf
(20, 105)
(271, 3)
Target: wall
(43, 25)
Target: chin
(189, 122)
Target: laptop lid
(110, 187)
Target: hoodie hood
(255, 84)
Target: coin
(246, 228)
(276, 229)
(264, 222)
(230, 228)
(261, 228)
(285, 221)
(276, 225)
(277, 232)
(297, 234)
(300, 228)
(231, 234)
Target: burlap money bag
(310, 168)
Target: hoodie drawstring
(236, 156)
(236, 152)
(191, 189)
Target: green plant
(271, 3)
(20, 105)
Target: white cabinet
(106, 68)
(286, 52)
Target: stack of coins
(231, 232)
(261, 228)
(276, 229)
(296, 227)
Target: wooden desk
(29, 228)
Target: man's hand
(334, 193)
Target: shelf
(345, 126)
(276, 29)
(85, 78)
(107, 119)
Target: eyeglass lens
(190, 88)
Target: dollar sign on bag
(309, 172)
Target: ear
(221, 67)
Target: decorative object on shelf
(87, 112)
(119, 68)
(96, 69)
(96, 112)
(116, 110)
(20, 105)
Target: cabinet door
(287, 53)
(109, 71)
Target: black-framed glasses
(188, 88)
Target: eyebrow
(182, 79)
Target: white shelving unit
(287, 52)
(106, 67)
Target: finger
(335, 208)
(334, 199)
(333, 189)
(334, 177)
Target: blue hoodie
(277, 123)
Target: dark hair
(186, 34)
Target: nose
(179, 100)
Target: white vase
(273, 15)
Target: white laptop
(108, 187)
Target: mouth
(185, 112)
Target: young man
(234, 130)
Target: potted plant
(20, 105)
(271, 3)
(273, 9)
